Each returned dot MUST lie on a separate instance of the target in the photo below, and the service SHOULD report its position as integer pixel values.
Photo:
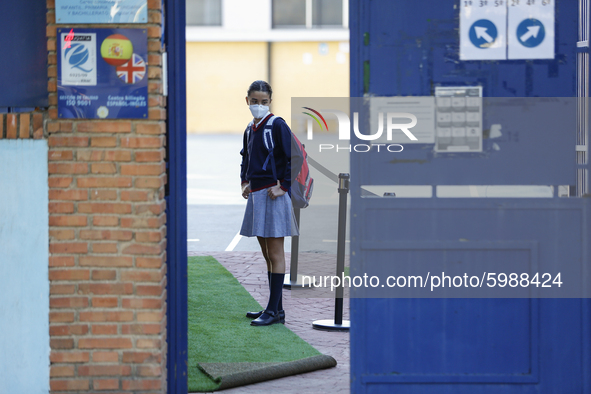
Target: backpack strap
(269, 144)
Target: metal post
(294, 280)
(338, 324)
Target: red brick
(68, 302)
(25, 123)
(69, 385)
(104, 182)
(67, 141)
(52, 85)
(103, 195)
(67, 330)
(142, 169)
(90, 155)
(142, 142)
(154, 87)
(149, 370)
(150, 316)
(69, 357)
(154, 5)
(117, 155)
(104, 370)
(151, 384)
(103, 168)
(103, 142)
(104, 127)
(63, 127)
(62, 289)
(104, 275)
(154, 45)
(68, 221)
(141, 303)
(142, 222)
(61, 371)
(62, 235)
(62, 343)
(105, 247)
(104, 329)
(69, 274)
(148, 344)
(150, 128)
(155, 72)
(68, 168)
(61, 261)
(155, 209)
(104, 343)
(105, 221)
(106, 316)
(105, 302)
(149, 290)
(60, 155)
(141, 329)
(136, 195)
(149, 156)
(38, 122)
(144, 248)
(61, 317)
(74, 194)
(105, 357)
(68, 247)
(104, 208)
(60, 207)
(106, 261)
(156, 114)
(11, 123)
(60, 181)
(141, 357)
(119, 235)
(150, 182)
(105, 384)
(105, 288)
(150, 236)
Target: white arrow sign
(532, 31)
(481, 33)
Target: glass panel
(289, 13)
(327, 13)
(204, 12)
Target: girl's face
(260, 98)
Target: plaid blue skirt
(268, 218)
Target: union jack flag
(133, 71)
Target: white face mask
(258, 111)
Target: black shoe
(266, 319)
(254, 315)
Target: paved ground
(250, 270)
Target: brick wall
(107, 266)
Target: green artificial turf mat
(219, 332)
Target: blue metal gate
(469, 345)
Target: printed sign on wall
(102, 73)
(483, 26)
(101, 11)
(531, 29)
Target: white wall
(24, 283)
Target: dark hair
(260, 86)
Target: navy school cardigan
(254, 153)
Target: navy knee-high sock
(280, 305)
(276, 291)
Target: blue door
(472, 345)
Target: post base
(329, 325)
(288, 284)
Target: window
(204, 12)
(302, 14)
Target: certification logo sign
(531, 33)
(483, 33)
(78, 59)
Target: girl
(266, 180)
